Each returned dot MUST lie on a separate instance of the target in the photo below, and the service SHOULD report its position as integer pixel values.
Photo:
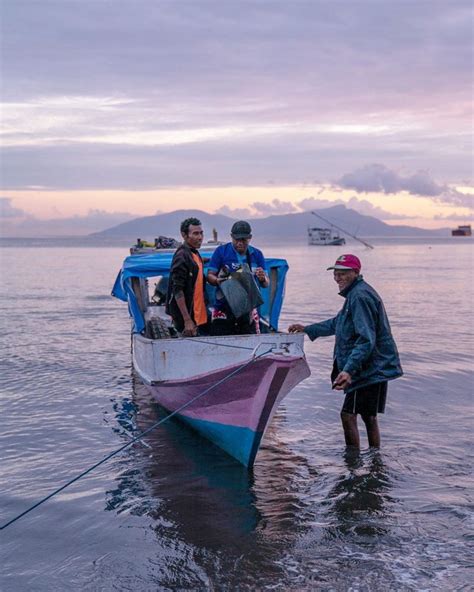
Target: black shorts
(368, 400)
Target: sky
(118, 109)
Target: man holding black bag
(236, 269)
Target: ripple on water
(179, 514)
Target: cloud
(378, 178)
(97, 216)
(368, 209)
(456, 217)
(145, 95)
(94, 221)
(240, 213)
(286, 157)
(362, 206)
(258, 209)
(238, 49)
(457, 198)
(371, 178)
(313, 203)
(276, 206)
(8, 211)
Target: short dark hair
(185, 224)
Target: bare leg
(351, 433)
(373, 432)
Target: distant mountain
(282, 227)
(295, 225)
(168, 224)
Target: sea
(176, 513)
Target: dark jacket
(364, 344)
(183, 275)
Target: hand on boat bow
(190, 328)
(296, 328)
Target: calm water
(180, 515)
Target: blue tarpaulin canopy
(158, 264)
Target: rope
(195, 340)
(147, 431)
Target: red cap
(347, 262)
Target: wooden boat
(324, 237)
(226, 388)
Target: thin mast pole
(342, 230)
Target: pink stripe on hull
(244, 400)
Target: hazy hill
(287, 227)
(168, 224)
(295, 225)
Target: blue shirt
(227, 256)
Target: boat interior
(151, 293)
(143, 282)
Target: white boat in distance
(226, 388)
(324, 237)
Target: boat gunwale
(276, 355)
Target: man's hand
(190, 328)
(296, 328)
(260, 273)
(343, 380)
(216, 279)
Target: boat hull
(231, 405)
(336, 242)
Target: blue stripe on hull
(241, 443)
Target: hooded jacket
(183, 275)
(364, 344)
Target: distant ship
(329, 236)
(462, 231)
(325, 237)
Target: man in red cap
(365, 353)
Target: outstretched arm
(323, 329)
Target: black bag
(241, 292)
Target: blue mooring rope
(147, 431)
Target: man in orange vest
(185, 300)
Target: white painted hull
(226, 388)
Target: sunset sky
(117, 109)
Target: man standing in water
(365, 353)
(185, 300)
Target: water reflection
(359, 501)
(193, 490)
(283, 480)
